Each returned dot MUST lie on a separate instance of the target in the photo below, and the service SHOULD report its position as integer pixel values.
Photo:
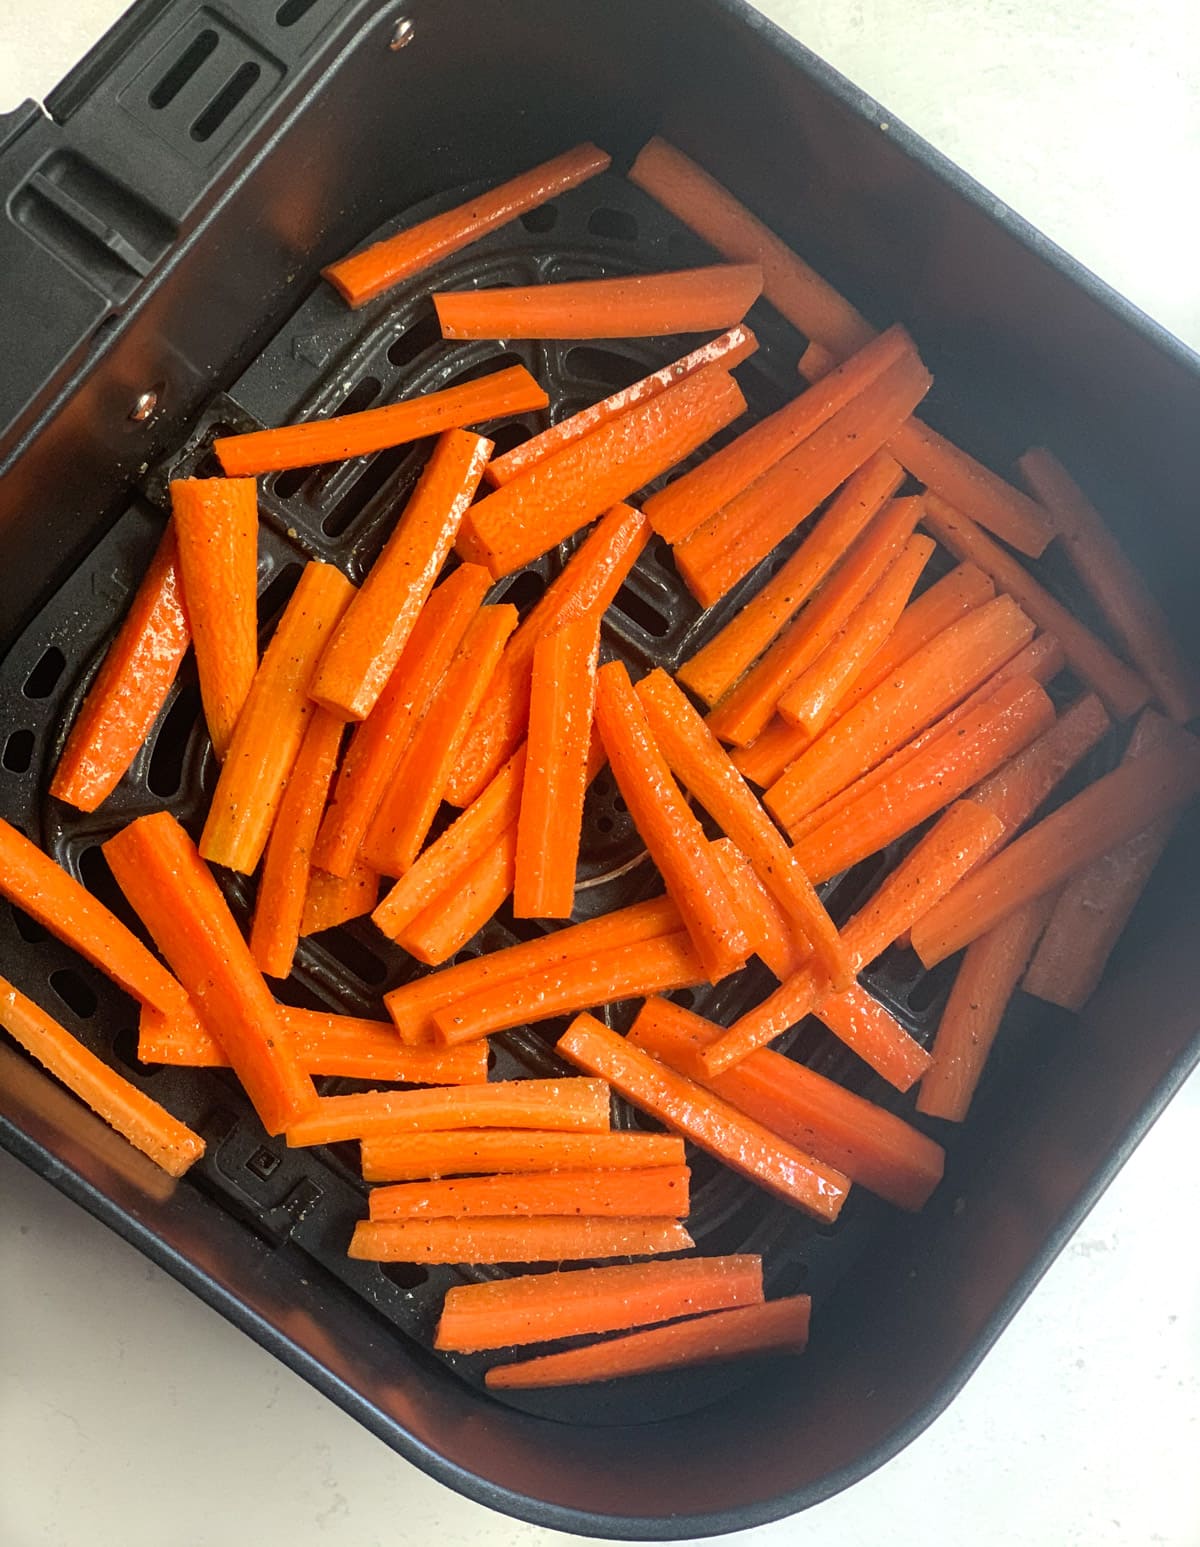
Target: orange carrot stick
(332, 900)
(571, 1103)
(669, 828)
(682, 506)
(968, 485)
(271, 726)
(562, 699)
(379, 743)
(918, 693)
(745, 712)
(869, 1144)
(737, 1141)
(370, 639)
(33, 882)
(1114, 584)
(216, 528)
(697, 757)
(539, 1306)
(780, 1326)
(813, 698)
(408, 807)
(173, 892)
(728, 350)
(519, 521)
(795, 290)
(649, 1192)
(135, 1116)
(587, 584)
(515, 1240)
(446, 925)
(869, 1029)
(1103, 815)
(815, 362)
(741, 534)
(766, 925)
(366, 274)
(716, 666)
(501, 393)
(1117, 684)
(131, 686)
(1016, 789)
(283, 887)
(484, 1151)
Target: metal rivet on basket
(143, 406)
(402, 34)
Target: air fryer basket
(202, 292)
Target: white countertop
(132, 1416)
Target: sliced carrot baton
(415, 1157)
(815, 362)
(716, 666)
(767, 927)
(587, 584)
(369, 641)
(173, 892)
(744, 713)
(742, 533)
(1121, 688)
(669, 829)
(495, 396)
(1018, 787)
(871, 1145)
(272, 723)
(1114, 584)
(554, 1104)
(561, 704)
(447, 924)
(728, 350)
(868, 1028)
(332, 900)
(695, 755)
(682, 506)
(539, 1306)
(122, 704)
(737, 1141)
(515, 1240)
(216, 528)
(794, 289)
(647, 1193)
(283, 886)
(364, 275)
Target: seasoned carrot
(272, 723)
(34, 883)
(716, 666)
(515, 1240)
(871, 1145)
(1121, 688)
(1017, 788)
(332, 900)
(815, 362)
(767, 927)
(928, 871)
(536, 1307)
(742, 533)
(682, 506)
(216, 528)
(813, 698)
(369, 641)
(1114, 584)
(445, 926)
(947, 767)
(561, 704)
(131, 686)
(136, 1116)
(379, 743)
(366, 274)
(587, 584)
(967, 485)
(795, 290)
(737, 1141)
(485, 1151)
(869, 1029)
(669, 828)
(745, 712)
(409, 805)
(649, 1192)
(695, 755)
(921, 690)
(1106, 813)
(519, 521)
(173, 892)
(728, 349)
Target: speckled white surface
(132, 1416)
